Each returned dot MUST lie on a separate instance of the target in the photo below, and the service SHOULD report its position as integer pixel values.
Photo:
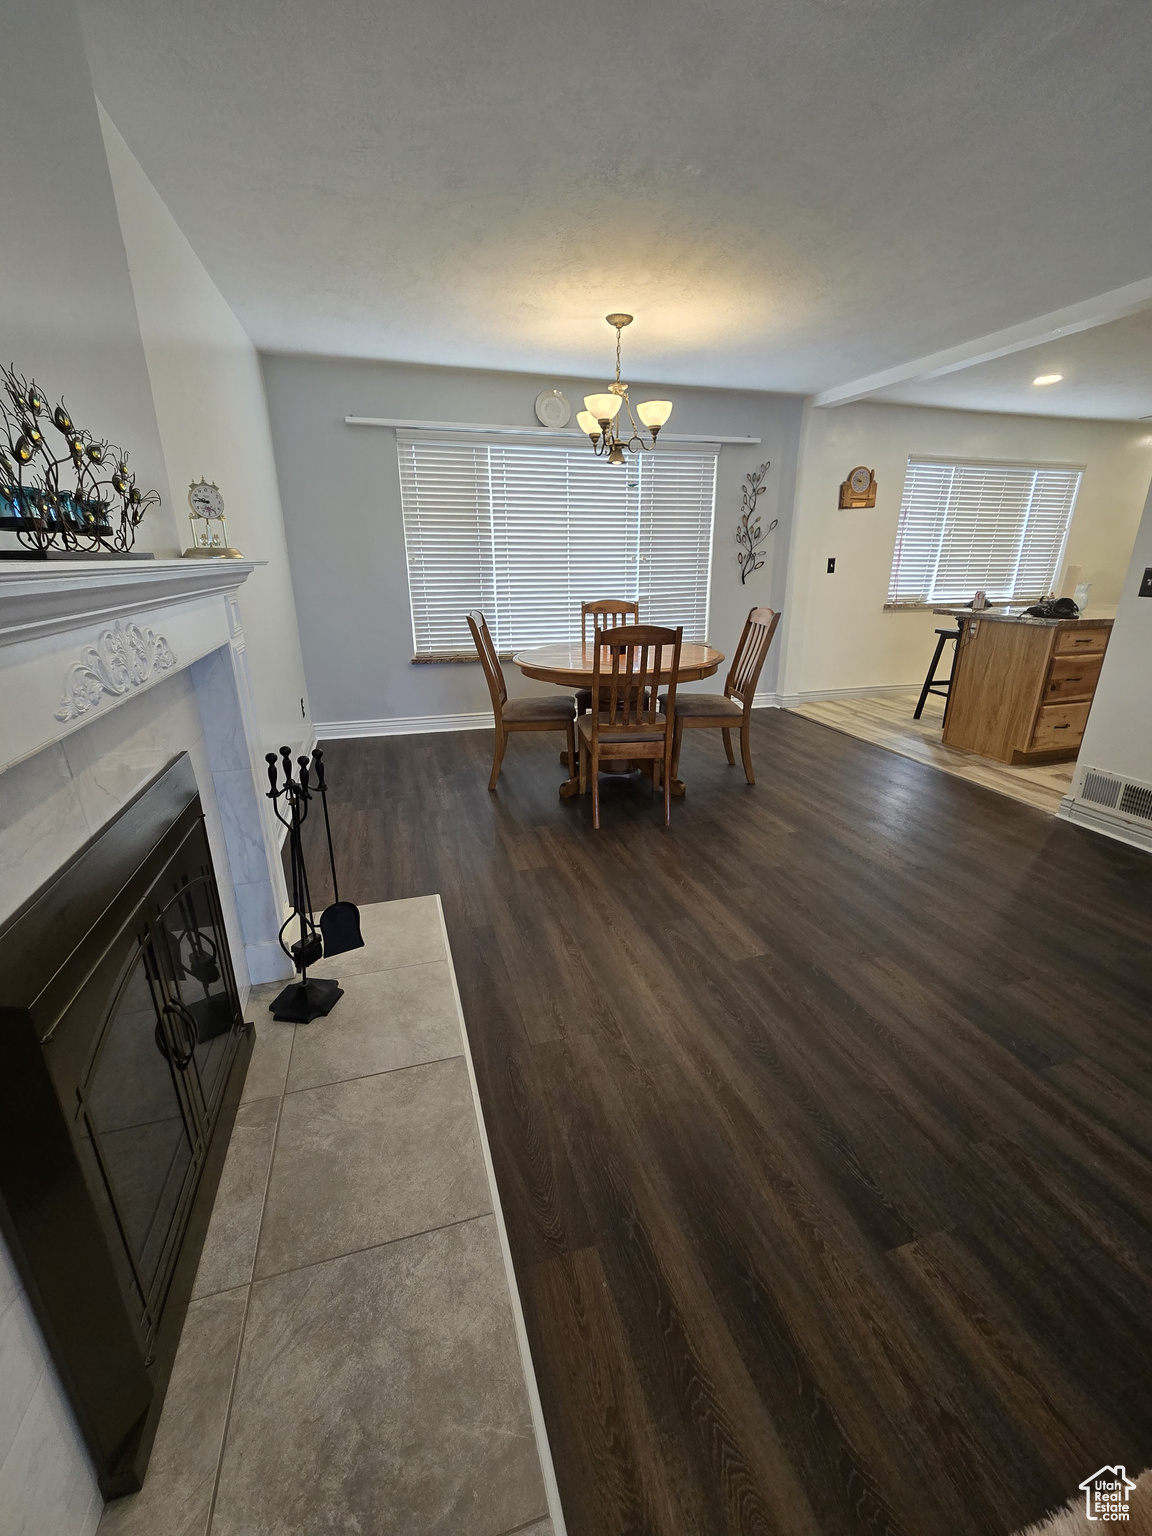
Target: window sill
(439, 658)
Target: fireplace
(123, 1051)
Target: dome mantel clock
(209, 530)
(859, 490)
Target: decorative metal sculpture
(82, 499)
(750, 534)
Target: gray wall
(340, 490)
(67, 315)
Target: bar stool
(932, 683)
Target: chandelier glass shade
(601, 417)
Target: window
(527, 532)
(967, 527)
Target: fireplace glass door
(123, 1050)
(138, 1126)
(160, 1054)
(202, 992)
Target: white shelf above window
(501, 429)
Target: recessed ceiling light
(1047, 378)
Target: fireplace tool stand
(309, 998)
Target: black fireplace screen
(122, 1055)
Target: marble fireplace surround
(81, 640)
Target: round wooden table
(569, 663)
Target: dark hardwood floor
(821, 1122)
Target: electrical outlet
(1146, 584)
(832, 565)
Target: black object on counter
(1053, 608)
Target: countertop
(990, 616)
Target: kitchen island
(1022, 687)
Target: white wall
(1118, 737)
(839, 636)
(67, 316)
(213, 421)
(341, 493)
(66, 310)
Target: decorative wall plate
(552, 408)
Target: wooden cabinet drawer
(1072, 677)
(1081, 642)
(1058, 726)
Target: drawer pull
(1063, 727)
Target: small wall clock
(859, 490)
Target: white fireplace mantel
(79, 639)
(39, 598)
(131, 622)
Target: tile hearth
(349, 1360)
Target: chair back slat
(489, 660)
(748, 661)
(627, 664)
(606, 613)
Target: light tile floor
(349, 1360)
(886, 719)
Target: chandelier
(601, 415)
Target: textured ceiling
(786, 193)
(1107, 372)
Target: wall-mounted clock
(859, 490)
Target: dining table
(570, 663)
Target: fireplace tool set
(338, 929)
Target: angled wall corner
(208, 390)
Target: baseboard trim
(818, 695)
(481, 720)
(402, 725)
(1098, 819)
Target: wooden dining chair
(605, 613)
(710, 711)
(631, 722)
(548, 712)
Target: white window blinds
(528, 532)
(967, 527)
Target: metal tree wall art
(750, 534)
(76, 494)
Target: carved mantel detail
(123, 658)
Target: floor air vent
(1101, 789)
(1137, 801)
(1117, 794)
